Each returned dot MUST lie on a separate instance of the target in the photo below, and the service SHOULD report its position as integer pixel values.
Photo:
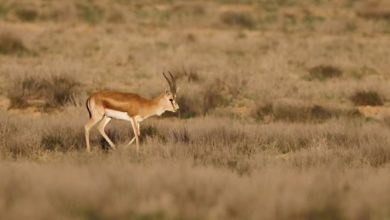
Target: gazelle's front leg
(131, 141)
(136, 132)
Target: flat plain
(284, 109)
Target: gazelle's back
(119, 101)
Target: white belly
(117, 114)
(121, 115)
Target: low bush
(366, 98)
(90, 12)
(295, 112)
(63, 139)
(11, 44)
(211, 96)
(374, 10)
(323, 72)
(238, 19)
(26, 14)
(187, 75)
(44, 91)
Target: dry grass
(269, 125)
(11, 44)
(323, 72)
(42, 90)
(186, 170)
(374, 10)
(367, 98)
(299, 112)
(238, 19)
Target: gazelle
(105, 105)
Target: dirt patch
(374, 112)
(4, 102)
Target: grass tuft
(212, 97)
(90, 12)
(45, 92)
(366, 98)
(293, 112)
(26, 14)
(238, 19)
(189, 107)
(375, 10)
(11, 44)
(324, 72)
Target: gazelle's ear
(177, 89)
(167, 92)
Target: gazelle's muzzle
(175, 107)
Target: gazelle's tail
(89, 110)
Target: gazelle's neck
(158, 105)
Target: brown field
(285, 109)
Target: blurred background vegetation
(284, 109)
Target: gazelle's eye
(171, 100)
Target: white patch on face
(117, 114)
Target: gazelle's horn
(173, 81)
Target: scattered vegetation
(62, 139)
(201, 104)
(297, 112)
(312, 21)
(305, 153)
(212, 97)
(324, 72)
(189, 9)
(374, 10)
(26, 14)
(239, 19)
(3, 11)
(90, 12)
(51, 91)
(366, 98)
(188, 107)
(188, 76)
(11, 44)
(217, 152)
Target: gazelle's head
(169, 99)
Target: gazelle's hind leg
(133, 139)
(88, 127)
(96, 116)
(101, 127)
